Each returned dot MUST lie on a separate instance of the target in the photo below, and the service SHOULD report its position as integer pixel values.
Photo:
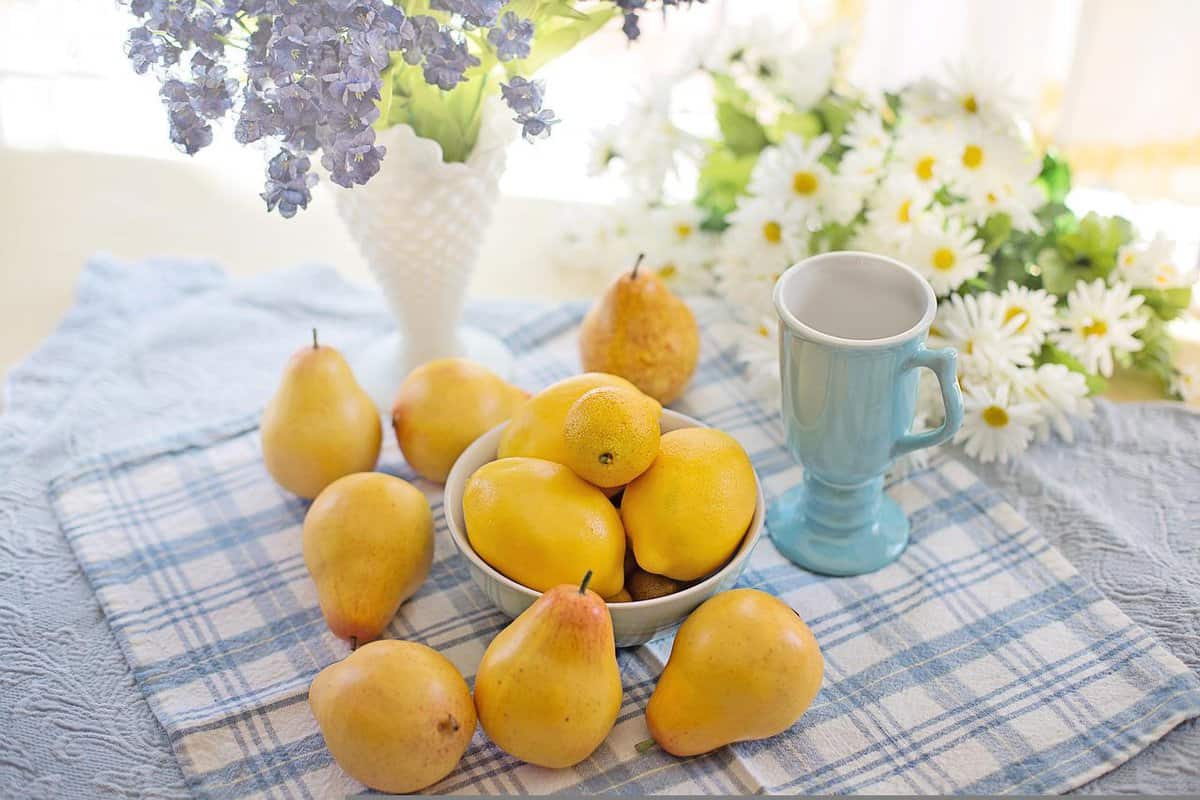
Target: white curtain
(1114, 83)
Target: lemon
(611, 435)
(540, 524)
(536, 427)
(687, 513)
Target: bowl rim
(452, 498)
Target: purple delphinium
(512, 37)
(308, 75)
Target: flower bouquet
(1040, 303)
(397, 95)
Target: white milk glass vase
(419, 224)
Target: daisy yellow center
(995, 416)
(667, 271)
(904, 214)
(1097, 327)
(763, 331)
(972, 156)
(969, 347)
(991, 198)
(924, 168)
(970, 104)
(683, 230)
(773, 232)
(1129, 259)
(805, 183)
(944, 259)
(1013, 312)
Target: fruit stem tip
(353, 643)
(641, 257)
(314, 339)
(587, 578)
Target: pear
(443, 406)
(368, 543)
(548, 690)
(743, 666)
(644, 333)
(396, 716)
(320, 424)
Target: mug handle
(943, 364)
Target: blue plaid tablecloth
(979, 662)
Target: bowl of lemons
(592, 476)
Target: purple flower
(537, 125)
(512, 37)
(480, 13)
(188, 129)
(289, 50)
(446, 66)
(289, 183)
(212, 92)
(256, 120)
(353, 159)
(368, 51)
(143, 48)
(523, 96)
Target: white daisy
(979, 90)
(976, 327)
(676, 248)
(770, 231)
(925, 153)
(1152, 265)
(996, 425)
(1101, 322)
(946, 253)
(806, 74)
(867, 143)
(1017, 197)
(603, 149)
(792, 173)
(651, 145)
(899, 203)
(746, 287)
(1032, 309)
(1061, 394)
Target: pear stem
(645, 746)
(315, 345)
(641, 257)
(353, 643)
(587, 578)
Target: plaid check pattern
(980, 662)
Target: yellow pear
(641, 331)
(443, 406)
(611, 435)
(368, 544)
(536, 428)
(686, 515)
(743, 666)
(396, 716)
(541, 525)
(548, 689)
(320, 425)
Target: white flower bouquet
(1040, 303)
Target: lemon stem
(314, 338)
(353, 643)
(638, 263)
(606, 458)
(587, 578)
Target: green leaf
(995, 232)
(741, 132)
(1156, 358)
(1052, 355)
(806, 125)
(723, 178)
(1167, 304)
(836, 112)
(1055, 177)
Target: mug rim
(793, 322)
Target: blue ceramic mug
(852, 338)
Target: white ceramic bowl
(633, 623)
